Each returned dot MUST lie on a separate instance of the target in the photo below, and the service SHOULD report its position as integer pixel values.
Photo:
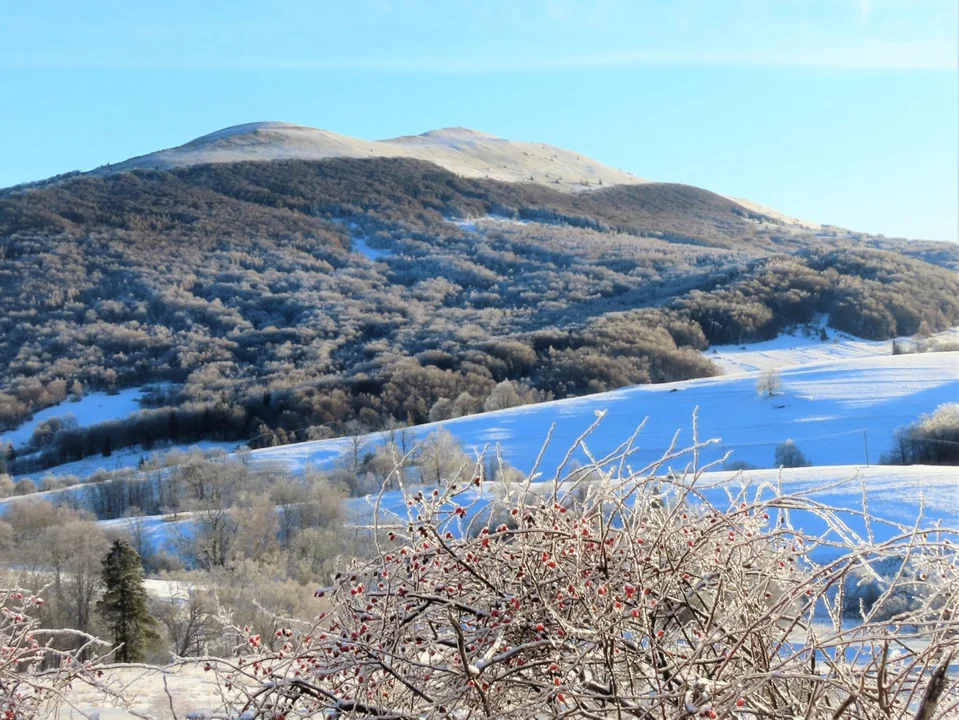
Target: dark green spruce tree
(124, 602)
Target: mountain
(463, 151)
(280, 297)
(468, 153)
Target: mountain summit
(466, 152)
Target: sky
(840, 111)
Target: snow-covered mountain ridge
(466, 152)
(463, 151)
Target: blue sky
(842, 111)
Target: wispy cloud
(863, 55)
(429, 36)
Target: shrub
(788, 455)
(25, 487)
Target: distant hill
(465, 152)
(468, 153)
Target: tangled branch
(609, 593)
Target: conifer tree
(124, 603)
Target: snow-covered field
(841, 403)
(125, 458)
(189, 692)
(795, 348)
(841, 412)
(896, 494)
(834, 411)
(89, 410)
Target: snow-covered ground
(795, 348)
(370, 253)
(124, 458)
(188, 692)
(469, 153)
(841, 412)
(487, 222)
(89, 410)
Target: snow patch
(370, 253)
(482, 224)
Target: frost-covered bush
(890, 587)
(788, 455)
(608, 593)
(37, 665)
(932, 440)
(24, 487)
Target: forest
(250, 287)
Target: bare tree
(73, 552)
(769, 383)
(189, 616)
(137, 532)
(356, 433)
(440, 458)
(210, 534)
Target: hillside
(840, 399)
(465, 152)
(841, 413)
(250, 287)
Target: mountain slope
(291, 298)
(468, 153)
